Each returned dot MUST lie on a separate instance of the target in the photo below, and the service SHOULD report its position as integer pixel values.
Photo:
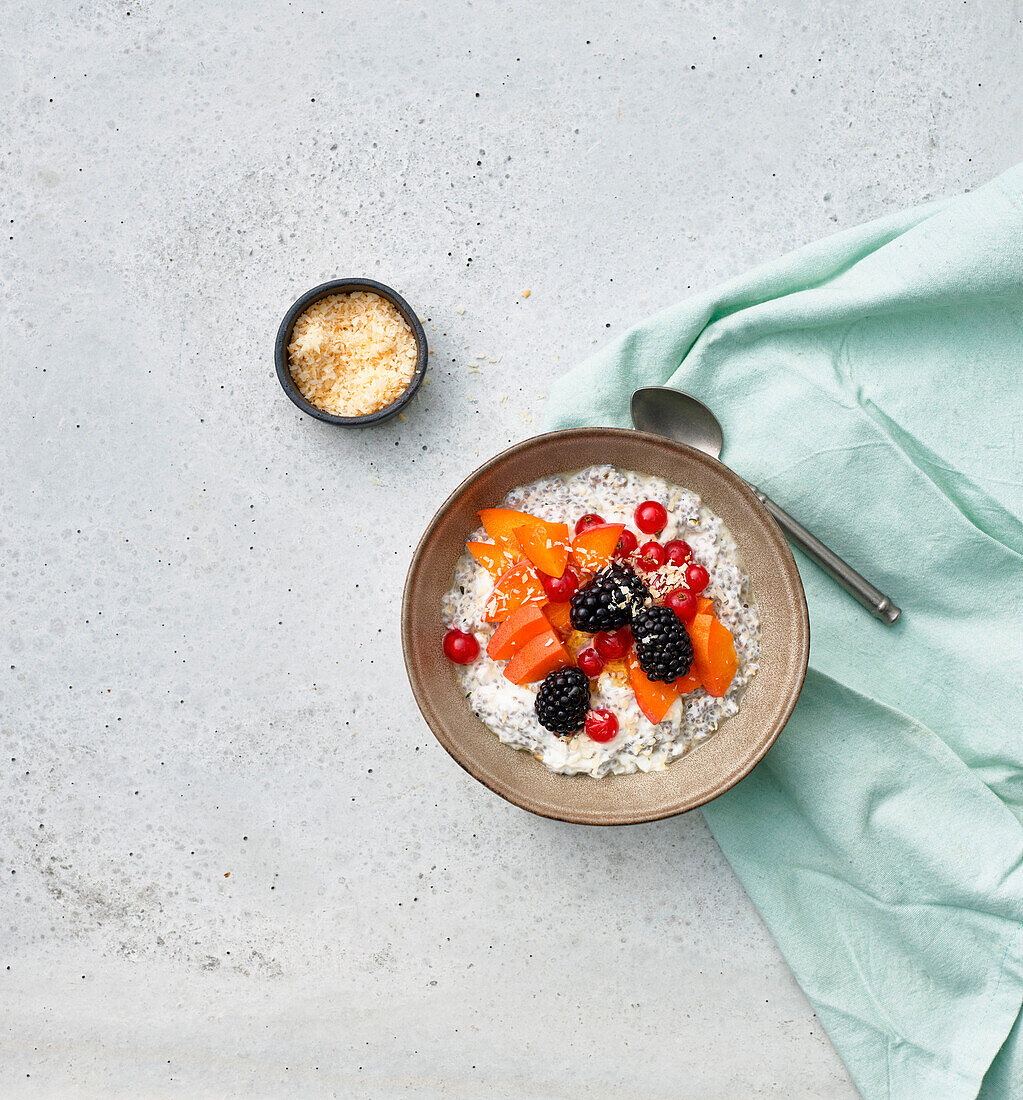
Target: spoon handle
(873, 599)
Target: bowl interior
(704, 772)
(349, 286)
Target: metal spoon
(676, 415)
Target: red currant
(591, 519)
(651, 556)
(601, 725)
(612, 644)
(590, 662)
(627, 543)
(677, 552)
(460, 647)
(683, 603)
(560, 589)
(697, 578)
(651, 517)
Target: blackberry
(663, 647)
(609, 601)
(562, 701)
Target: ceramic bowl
(707, 770)
(347, 286)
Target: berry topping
(560, 589)
(612, 644)
(651, 517)
(591, 519)
(683, 603)
(590, 662)
(608, 601)
(697, 578)
(460, 647)
(601, 725)
(677, 552)
(562, 701)
(650, 556)
(663, 647)
(627, 543)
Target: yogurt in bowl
(683, 557)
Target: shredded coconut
(352, 354)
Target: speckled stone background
(234, 860)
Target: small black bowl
(347, 286)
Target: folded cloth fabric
(872, 385)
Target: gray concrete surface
(234, 860)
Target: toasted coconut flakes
(351, 354)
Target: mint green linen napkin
(871, 384)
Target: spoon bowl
(661, 410)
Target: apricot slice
(515, 587)
(558, 615)
(538, 657)
(699, 635)
(545, 544)
(689, 682)
(501, 523)
(654, 698)
(520, 626)
(714, 655)
(594, 547)
(704, 606)
(492, 557)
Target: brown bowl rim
(684, 805)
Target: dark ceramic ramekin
(347, 286)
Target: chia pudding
(628, 741)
